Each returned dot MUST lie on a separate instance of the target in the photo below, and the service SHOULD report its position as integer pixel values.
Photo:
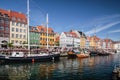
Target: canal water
(92, 68)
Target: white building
(69, 39)
(117, 45)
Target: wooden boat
(78, 53)
(71, 54)
(83, 54)
(25, 56)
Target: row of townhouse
(38, 36)
(94, 42)
(71, 39)
(76, 38)
(14, 29)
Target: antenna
(28, 23)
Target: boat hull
(71, 55)
(30, 58)
(82, 55)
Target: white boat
(25, 56)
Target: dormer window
(6, 15)
(19, 19)
(23, 20)
(13, 18)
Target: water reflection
(92, 68)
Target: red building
(13, 27)
(4, 27)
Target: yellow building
(94, 41)
(18, 28)
(82, 42)
(43, 36)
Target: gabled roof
(33, 29)
(17, 15)
(107, 40)
(44, 29)
(93, 37)
(71, 34)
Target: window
(1, 28)
(12, 41)
(23, 20)
(7, 29)
(24, 37)
(16, 35)
(13, 23)
(16, 24)
(24, 25)
(20, 24)
(6, 15)
(6, 21)
(19, 19)
(1, 21)
(16, 41)
(13, 18)
(12, 29)
(20, 30)
(20, 35)
(20, 42)
(12, 35)
(16, 29)
(24, 30)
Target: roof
(18, 16)
(107, 40)
(81, 33)
(93, 38)
(71, 34)
(33, 29)
(44, 29)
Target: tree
(10, 45)
(57, 43)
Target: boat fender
(33, 60)
(52, 58)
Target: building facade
(94, 41)
(108, 44)
(69, 40)
(82, 37)
(43, 36)
(57, 39)
(18, 28)
(34, 37)
(4, 28)
(117, 45)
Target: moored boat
(78, 53)
(71, 54)
(25, 56)
(83, 54)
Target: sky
(90, 16)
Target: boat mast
(47, 28)
(28, 23)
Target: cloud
(115, 31)
(101, 28)
(101, 20)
